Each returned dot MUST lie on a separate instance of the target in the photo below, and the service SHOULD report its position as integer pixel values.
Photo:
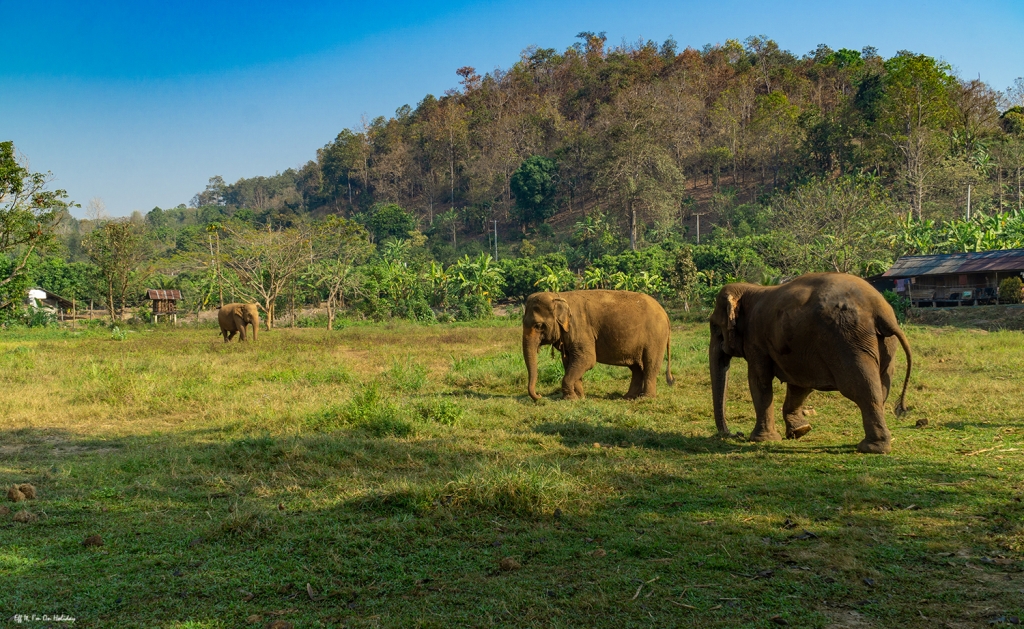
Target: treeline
(650, 136)
(592, 167)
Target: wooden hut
(955, 279)
(165, 303)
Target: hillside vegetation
(593, 167)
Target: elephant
(235, 317)
(612, 327)
(820, 331)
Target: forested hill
(651, 136)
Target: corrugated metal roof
(155, 293)
(949, 263)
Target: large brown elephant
(612, 327)
(822, 331)
(235, 317)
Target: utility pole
(698, 215)
(495, 240)
(968, 201)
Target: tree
(534, 186)
(915, 106)
(340, 245)
(214, 193)
(389, 220)
(29, 216)
(266, 262)
(842, 224)
(119, 249)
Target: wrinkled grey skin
(234, 318)
(821, 331)
(612, 327)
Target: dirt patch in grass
(1002, 317)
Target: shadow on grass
(575, 434)
(188, 518)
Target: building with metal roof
(952, 279)
(164, 303)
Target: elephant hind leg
(652, 363)
(866, 390)
(793, 411)
(231, 335)
(636, 383)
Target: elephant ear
(733, 340)
(560, 308)
(732, 308)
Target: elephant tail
(668, 367)
(889, 329)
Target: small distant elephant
(612, 327)
(235, 317)
(821, 331)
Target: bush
(441, 411)
(40, 318)
(1010, 290)
(522, 274)
(900, 304)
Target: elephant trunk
(719, 362)
(255, 328)
(531, 345)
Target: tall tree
(534, 186)
(915, 107)
(266, 262)
(119, 249)
(29, 216)
(340, 245)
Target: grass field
(399, 476)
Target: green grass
(393, 467)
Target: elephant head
(248, 314)
(726, 342)
(545, 322)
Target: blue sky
(140, 103)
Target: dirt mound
(991, 318)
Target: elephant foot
(797, 431)
(765, 435)
(874, 447)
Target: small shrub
(441, 411)
(900, 304)
(250, 522)
(519, 490)
(329, 418)
(40, 318)
(118, 334)
(1010, 290)
(380, 417)
(318, 320)
(406, 376)
(331, 375)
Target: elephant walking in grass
(234, 318)
(822, 331)
(612, 327)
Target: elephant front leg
(575, 366)
(760, 380)
(793, 411)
